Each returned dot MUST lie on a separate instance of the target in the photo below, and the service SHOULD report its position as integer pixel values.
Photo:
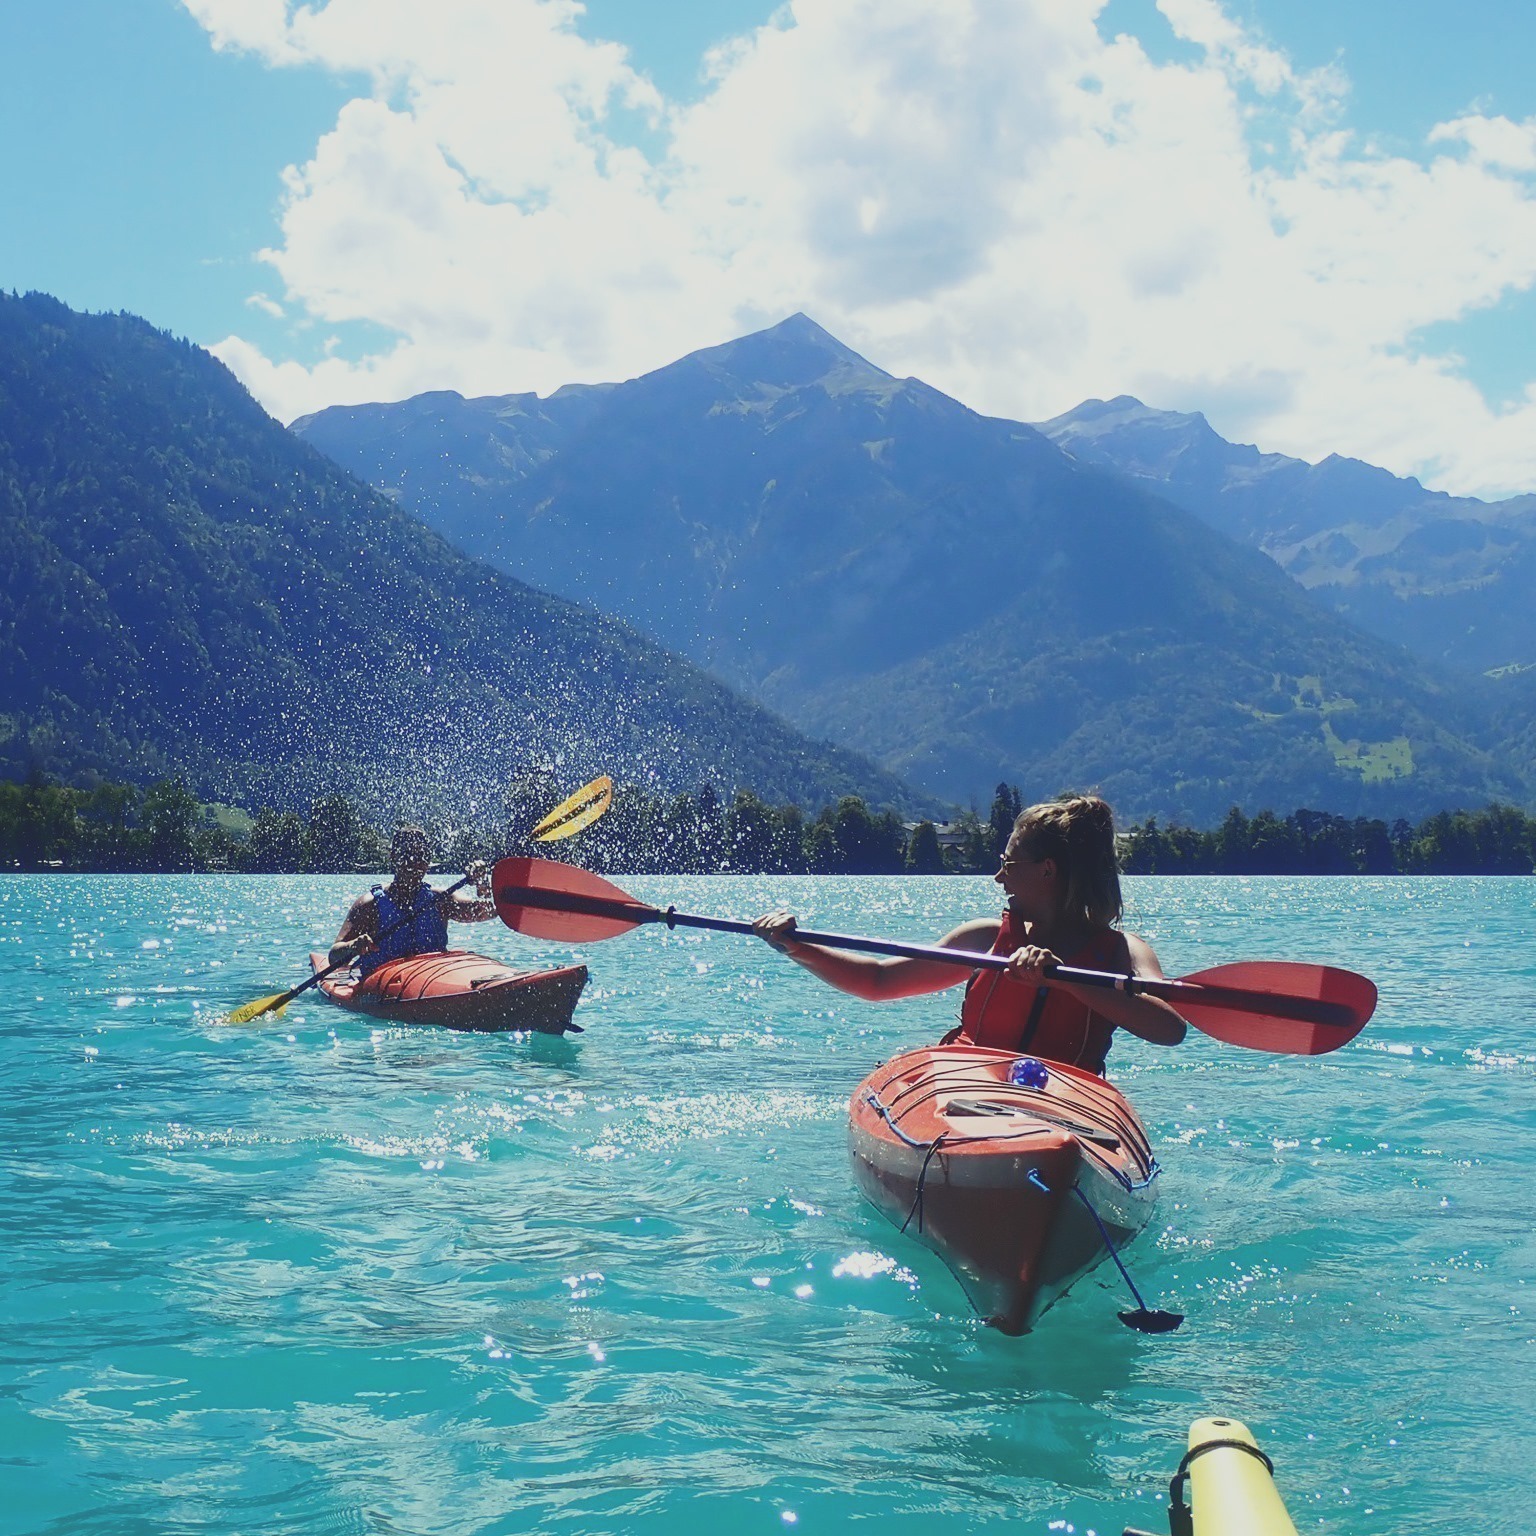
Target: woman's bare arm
(878, 978)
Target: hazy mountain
(185, 585)
(1449, 577)
(948, 591)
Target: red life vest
(1008, 1015)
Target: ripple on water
(313, 1274)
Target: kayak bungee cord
(1143, 1320)
(922, 1180)
(1084, 1134)
(1108, 1123)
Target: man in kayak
(407, 916)
(1062, 881)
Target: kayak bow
(1020, 1189)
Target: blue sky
(144, 168)
(1019, 251)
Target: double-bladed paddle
(1266, 1005)
(580, 810)
(570, 816)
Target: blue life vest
(426, 933)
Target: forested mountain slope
(1450, 577)
(185, 585)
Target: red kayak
(460, 990)
(1015, 1187)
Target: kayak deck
(1014, 1187)
(456, 989)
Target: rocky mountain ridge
(952, 593)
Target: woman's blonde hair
(1078, 832)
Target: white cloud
(1493, 141)
(989, 195)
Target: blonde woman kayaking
(1062, 881)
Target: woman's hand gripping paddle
(569, 817)
(1265, 1005)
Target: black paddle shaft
(1308, 1010)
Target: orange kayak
(1002, 1180)
(460, 990)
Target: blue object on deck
(1029, 1072)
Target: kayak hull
(456, 989)
(1003, 1182)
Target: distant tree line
(46, 825)
(1499, 840)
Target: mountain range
(1448, 577)
(959, 596)
(187, 587)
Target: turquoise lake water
(319, 1276)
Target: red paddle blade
(546, 900)
(1348, 1001)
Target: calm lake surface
(314, 1275)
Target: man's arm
(480, 908)
(359, 932)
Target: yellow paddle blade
(580, 810)
(275, 1004)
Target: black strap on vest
(1036, 1011)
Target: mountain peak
(1122, 411)
(1097, 410)
(790, 355)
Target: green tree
(1504, 841)
(276, 843)
(867, 845)
(1375, 852)
(170, 815)
(108, 835)
(334, 837)
(1274, 847)
(749, 835)
(39, 827)
(1006, 805)
(678, 851)
(789, 841)
(924, 856)
(823, 854)
(710, 833)
(1446, 844)
(1232, 844)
